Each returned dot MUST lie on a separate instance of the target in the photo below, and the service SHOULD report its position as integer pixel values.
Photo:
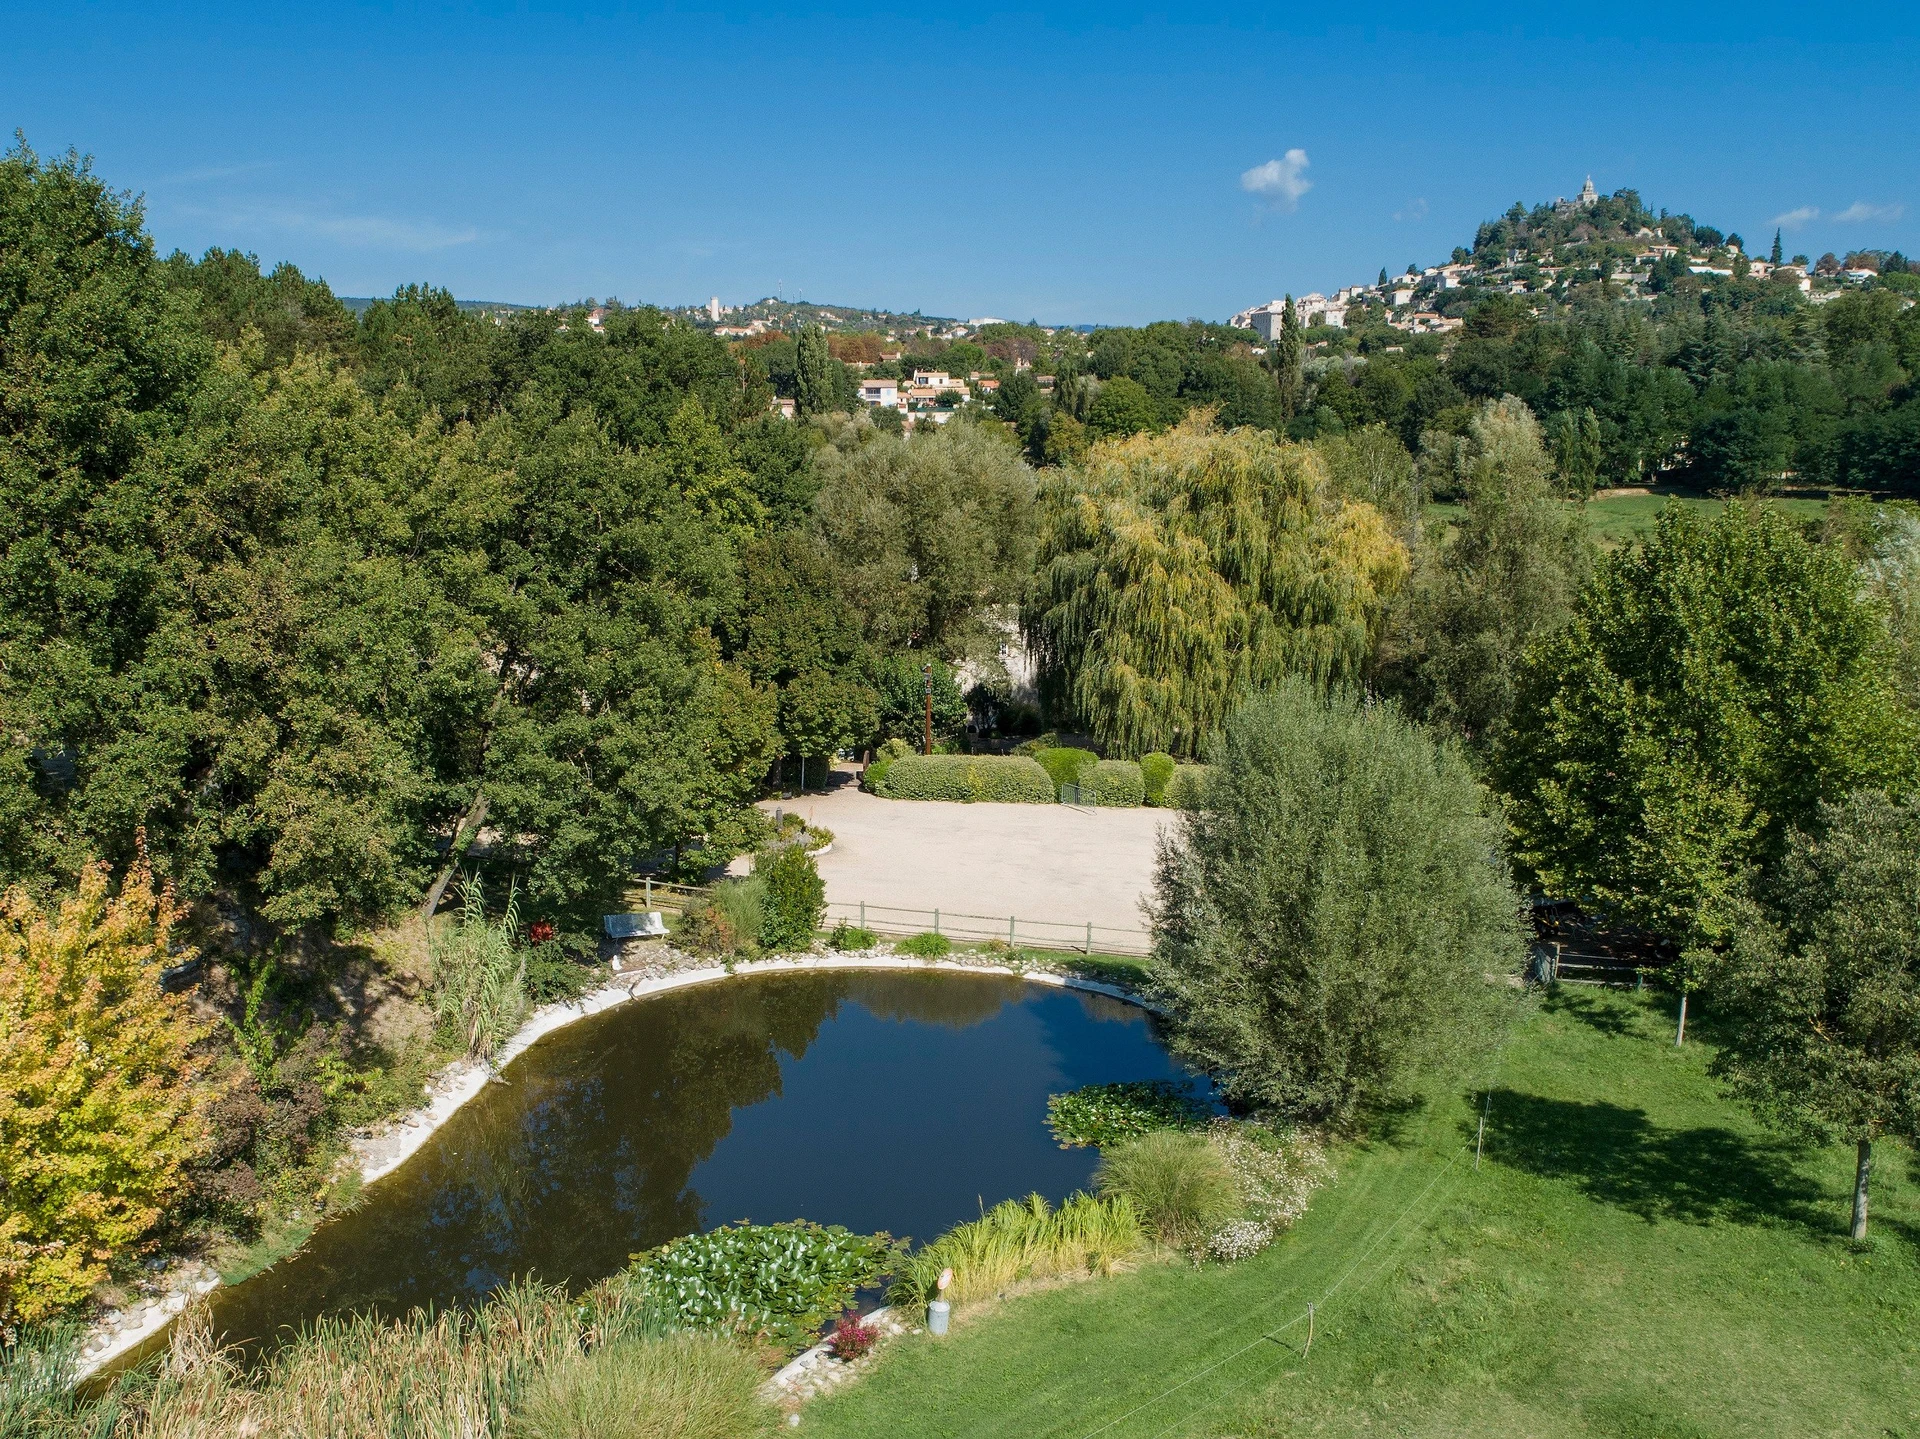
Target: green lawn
(1616, 519)
(1634, 1258)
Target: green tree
(901, 681)
(813, 374)
(821, 712)
(1287, 360)
(1178, 570)
(1713, 686)
(932, 534)
(1775, 256)
(1510, 571)
(1822, 987)
(1123, 407)
(1337, 916)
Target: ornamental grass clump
(846, 937)
(926, 946)
(687, 1386)
(1023, 1240)
(1178, 1181)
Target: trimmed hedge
(1064, 764)
(1184, 790)
(1006, 779)
(1155, 770)
(1112, 782)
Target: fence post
(863, 914)
(649, 891)
(1009, 931)
(1089, 937)
(936, 921)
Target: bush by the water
(1063, 763)
(1022, 1239)
(685, 1386)
(1100, 1114)
(1004, 779)
(926, 946)
(1115, 782)
(561, 967)
(775, 1282)
(1179, 1183)
(1325, 928)
(1155, 771)
(706, 931)
(794, 899)
(850, 936)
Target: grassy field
(1634, 1258)
(1614, 520)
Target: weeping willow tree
(1178, 570)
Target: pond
(877, 1100)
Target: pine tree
(1383, 277)
(1776, 247)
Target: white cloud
(373, 232)
(1413, 210)
(1794, 219)
(1284, 180)
(1860, 210)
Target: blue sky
(1081, 164)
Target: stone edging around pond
(401, 1138)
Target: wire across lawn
(1634, 1257)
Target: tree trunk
(1861, 1166)
(1680, 1034)
(463, 834)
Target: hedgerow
(1006, 779)
(1114, 782)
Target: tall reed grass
(1020, 1240)
(691, 1386)
(459, 1374)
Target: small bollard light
(939, 1311)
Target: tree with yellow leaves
(102, 1104)
(1177, 571)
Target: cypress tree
(1287, 351)
(813, 373)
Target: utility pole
(926, 671)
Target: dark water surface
(893, 1101)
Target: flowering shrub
(852, 1339)
(1099, 1114)
(540, 931)
(1274, 1174)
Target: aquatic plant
(777, 1282)
(478, 974)
(1099, 1114)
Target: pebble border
(399, 1139)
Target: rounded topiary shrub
(1187, 788)
(967, 779)
(1112, 782)
(1065, 764)
(1155, 771)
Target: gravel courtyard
(1056, 863)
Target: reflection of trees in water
(579, 1158)
(1108, 1010)
(955, 1001)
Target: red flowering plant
(540, 931)
(851, 1338)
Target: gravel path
(1056, 863)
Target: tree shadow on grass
(1620, 1157)
(1613, 1020)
